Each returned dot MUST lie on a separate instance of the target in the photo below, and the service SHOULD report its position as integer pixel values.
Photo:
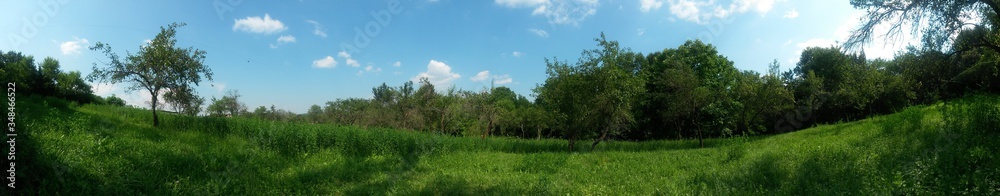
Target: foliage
(184, 100)
(159, 65)
(115, 101)
(938, 20)
(45, 79)
(229, 105)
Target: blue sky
(291, 53)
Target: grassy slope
(106, 149)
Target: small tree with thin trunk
(159, 65)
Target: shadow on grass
(450, 185)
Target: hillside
(93, 149)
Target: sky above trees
(294, 54)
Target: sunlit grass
(95, 149)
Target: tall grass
(96, 149)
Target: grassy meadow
(946, 148)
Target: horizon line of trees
(612, 92)
(688, 92)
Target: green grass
(95, 149)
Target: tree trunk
(539, 132)
(156, 119)
(486, 131)
(441, 124)
(603, 135)
(523, 134)
(701, 142)
(571, 144)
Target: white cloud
(73, 47)
(702, 12)
(371, 68)
(686, 10)
(397, 64)
(219, 87)
(327, 62)
(791, 14)
(496, 79)
(520, 3)
(641, 31)
(558, 12)
(256, 24)
(539, 32)
(438, 73)
(353, 63)
(502, 79)
(347, 58)
(647, 5)
(483, 75)
(103, 89)
(517, 54)
(317, 28)
(286, 39)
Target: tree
(48, 75)
(429, 106)
(115, 101)
(229, 105)
(262, 113)
(617, 86)
(19, 68)
(159, 65)
(939, 21)
(315, 114)
(761, 97)
(690, 87)
(559, 96)
(184, 100)
(595, 97)
(688, 99)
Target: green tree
(262, 113)
(229, 105)
(761, 98)
(315, 114)
(559, 96)
(594, 98)
(49, 74)
(184, 100)
(687, 88)
(115, 101)
(20, 69)
(159, 65)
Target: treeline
(45, 78)
(690, 91)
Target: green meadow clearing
(946, 148)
